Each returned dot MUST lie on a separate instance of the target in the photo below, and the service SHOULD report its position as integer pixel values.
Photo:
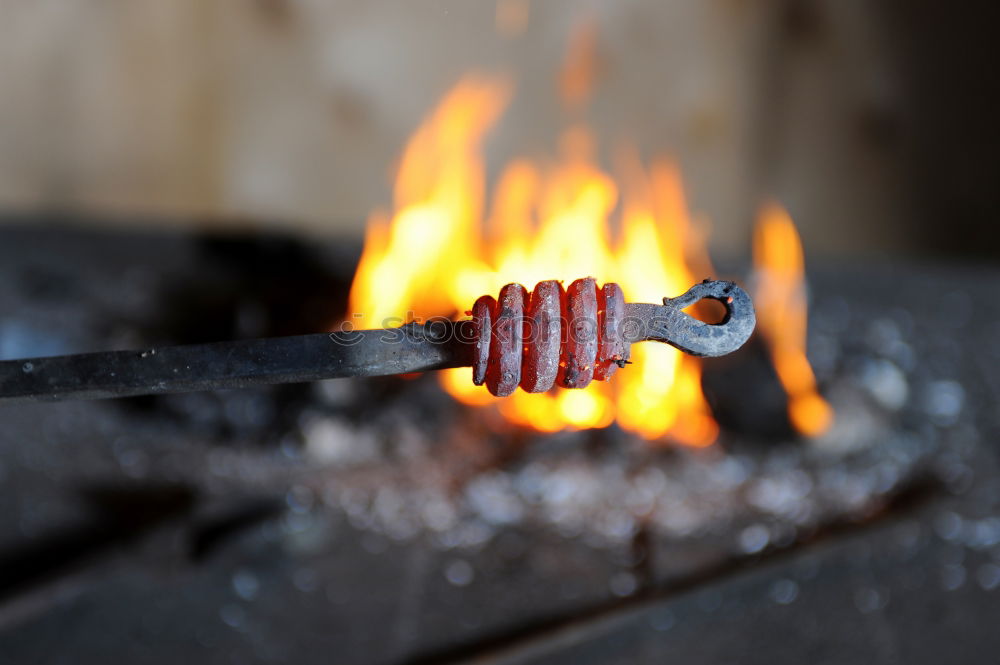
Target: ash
(903, 369)
(606, 487)
(379, 518)
(411, 464)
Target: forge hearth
(383, 519)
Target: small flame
(580, 66)
(512, 17)
(440, 250)
(781, 316)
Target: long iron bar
(235, 364)
(437, 344)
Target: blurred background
(196, 171)
(869, 121)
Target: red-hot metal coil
(503, 370)
(482, 318)
(612, 350)
(542, 337)
(580, 349)
(552, 337)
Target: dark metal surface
(668, 323)
(411, 348)
(235, 364)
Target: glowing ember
(436, 255)
(781, 316)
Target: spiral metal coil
(548, 337)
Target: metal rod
(438, 344)
(237, 364)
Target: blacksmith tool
(549, 337)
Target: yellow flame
(439, 251)
(781, 316)
(418, 262)
(550, 222)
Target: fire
(423, 261)
(781, 316)
(441, 249)
(512, 17)
(579, 69)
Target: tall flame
(423, 260)
(781, 316)
(438, 252)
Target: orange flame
(439, 252)
(781, 316)
(580, 66)
(422, 261)
(512, 17)
(544, 223)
